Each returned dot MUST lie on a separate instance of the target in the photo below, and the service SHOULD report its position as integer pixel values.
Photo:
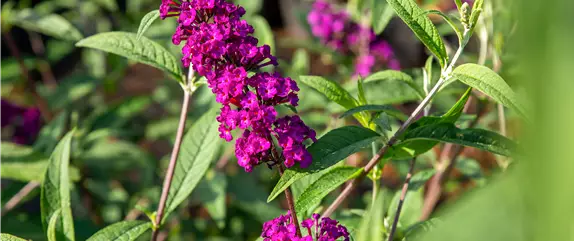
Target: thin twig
(373, 162)
(402, 200)
(290, 203)
(173, 160)
(43, 65)
(16, 199)
(42, 104)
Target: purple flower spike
(219, 46)
(325, 229)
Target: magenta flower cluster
(25, 123)
(318, 229)
(337, 30)
(219, 45)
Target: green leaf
(331, 148)
(332, 90)
(422, 26)
(199, 147)
(212, 192)
(70, 90)
(411, 210)
(124, 231)
(417, 147)
(9, 237)
(448, 132)
(381, 16)
(363, 108)
(324, 185)
(386, 75)
(55, 190)
(16, 158)
(371, 227)
(300, 63)
(117, 115)
(51, 133)
(52, 25)
(449, 21)
(146, 22)
(490, 83)
(251, 6)
(52, 225)
(143, 50)
(262, 31)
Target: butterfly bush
(318, 229)
(26, 122)
(336, 30)
(219, 45)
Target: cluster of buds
(219, 45)
(318, 229)
(336, 29)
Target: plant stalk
(402, 200)
(173, 158)
(445, 77)
(16, 199)
(291, 204)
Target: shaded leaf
(16, 158)
(124, 231)
(331, 148)
(51, 133)
(411, 210)
(324, 185)
(211, 192)
(199, 147)
(55, 190)
(146, 22)
(422, 26)
(143, 50)
(386, 75)
(381, 16)
(262, 31)
(371, 227)
(52, 25)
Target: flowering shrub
(219, 46)
(336, 29)
(94, 136)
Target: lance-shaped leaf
(52, 25)
(490, 83)
(332, 90)
(124, 231)
(371, 226)
(376, 108)
(52, 226)
(448, 132)
(55, 191)
(324, 185)
(327, 151)
(382, 15)
(146, 22)
(422, 26)
(10, 237)
(143, 50)
(416, 147)
(198, 148)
